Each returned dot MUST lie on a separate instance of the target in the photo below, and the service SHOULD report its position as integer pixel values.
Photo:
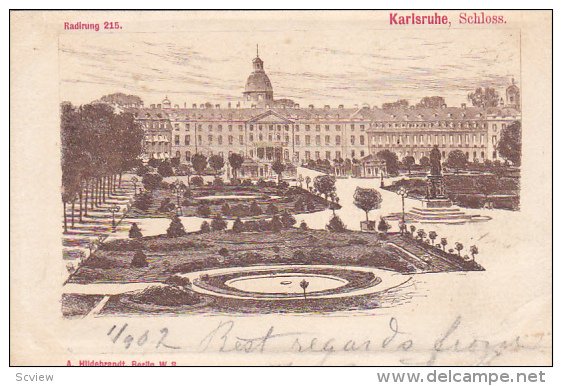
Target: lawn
(229, 201)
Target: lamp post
(134, 180)
(404, 193)
(178, 188)
(114, 209)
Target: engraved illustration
(262, 202)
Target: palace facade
(263, 129)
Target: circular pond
(278, 282)
(289, 283)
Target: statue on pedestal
(435, 188)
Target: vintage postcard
(281, 188)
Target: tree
(278, 167)
(134, 232)
(325, 184)
(336, 224)
(303, 226)
(399, 104)
(383, 225)
(457, 160)
(122, 100)
(459, 247)
(409, 161)
(421, 234)
(304, 286)
(307, 181)
(473, 251)
(216, 162)
(484, 97)
(432, 236)
(509, 145)
(367, 200)
(424, 161)
(151, 181)
(225, 209)
(391, 161)
(255, 209)
(443, 242)
(218, 224)
(139, 260)
(176, 228)
(433, 102)
(235, 160)
(412, 229)
(199, 162)
(165, 169)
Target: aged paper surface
(426, 135)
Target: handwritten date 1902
(118, 336)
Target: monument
(435, 191)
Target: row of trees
(97, 146)
(483, 97)
(431, 236)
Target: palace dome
(258, 82)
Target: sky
(321, 62)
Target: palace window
(327, 127)
(328, 155)
(362, 127)
(229, 127)
(241, 139)
(338, 127)
(219, 128)
(210, 127)
(187, 155)
(176, 140)
(317, 127)
(187, 139)
(352, 126)
(338, 140)
(307, 155)
(317, 140)
(220, 139)
(352, 140)
(297, 140)
(327, 140)
(296, 127)
(210, 139)
(362, 140)
(307, 127)
(251, 137)
(317, 154)
(230, 139)
(353, 154)
(362, 152)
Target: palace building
(263, 129)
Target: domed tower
(512, 97)
(258, 86)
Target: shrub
(240, 210)
(142, 170)
(299, 255)
(225, 209)
(299, 205)
(204, 210)
(176, 228)
(223, 252)
(205, 227)
(336, 224)
(166, 205)
(271, 209)
(218, 181)
(238, 226)
(218, 224)
(134, 232)
(139, 260)
(383, 225)
(255, 209)
(235, 181)
(197, 181)
(287, 219)
(178, 281)
(310, 205)
(275, 225)
(143, 201)
(303, 226)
